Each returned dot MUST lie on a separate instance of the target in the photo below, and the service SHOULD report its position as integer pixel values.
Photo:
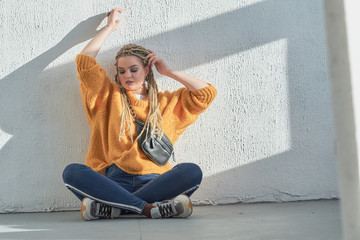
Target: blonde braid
(154, 118)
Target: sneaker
(179, 207)
(91, 210)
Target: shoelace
(103, 210)
(166, 210)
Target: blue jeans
(131, 192)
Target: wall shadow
(42, 132)
(279, 178)
(35, 106)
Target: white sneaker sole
(85, 208)
(185, 200)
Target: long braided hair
(154, 118)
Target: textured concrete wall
(267, 137)
(342, 18)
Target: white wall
(342, 19)
(268, 136)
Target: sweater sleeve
(191, 104)
(94, 83)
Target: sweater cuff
(206, 94)
(84, 62)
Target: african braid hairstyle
(154, 118)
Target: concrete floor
(288, 221)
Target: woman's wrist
(109, 29)
(170, 73)
(190, 82)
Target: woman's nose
(128, 74)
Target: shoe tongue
(97, 209)
(115, 212)
(93, 209)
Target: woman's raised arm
(192, 83)
(94, 46)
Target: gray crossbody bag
(157, 149)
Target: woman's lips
(129, 82)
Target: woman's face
(132, 73)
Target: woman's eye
(134, 70)
(121, 72)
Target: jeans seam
(113, 204)
(151, 181)
(197, 186)
(147, 184)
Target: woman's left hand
(192, 83)
(161, 66)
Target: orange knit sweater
(103, 106)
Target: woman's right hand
(93, 47)
(112, 21)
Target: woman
(118, 176)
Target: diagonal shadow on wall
(42, 132)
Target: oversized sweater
(103, 106)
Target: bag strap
(139, 126)
(131, 108)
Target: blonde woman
(118, 177)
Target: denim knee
(193, 170)
(71, 171)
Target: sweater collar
(135, 101)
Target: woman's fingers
(114, 10)
(157, 61)
(150, 61)
(112, 14)
(152, 58)
(112, 20)
(150, 54)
